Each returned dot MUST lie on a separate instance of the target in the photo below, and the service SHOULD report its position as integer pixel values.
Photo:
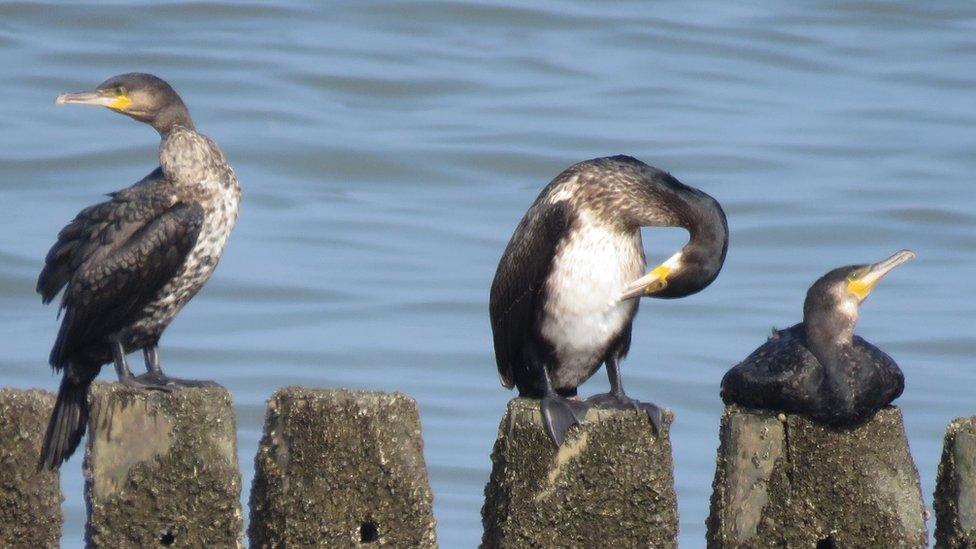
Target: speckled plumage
(196, 168)
(555, 299)
(129, 264)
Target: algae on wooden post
(610, 484)
(785, 481)
(30, 500)
(955, 491)
(161, 468)
(341, 469)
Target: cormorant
(130, 263)
(564, 296)
(818, 367)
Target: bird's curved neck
(701, 259)
(708, 232)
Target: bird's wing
(518, 284)
(119, 278)
(773, 375)
(101, 228)
(890, 374)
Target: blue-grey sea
(387, 149)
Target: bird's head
(142, 96)
(838, 294)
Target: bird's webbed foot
(559, 414)
(620, 401)
(161, 379)
(145, 385)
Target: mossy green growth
(955, 490)
(30, 499)
(782, 480)
(341, 468)
(610, 484)
(161, 468)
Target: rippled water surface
(387, 150)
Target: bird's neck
(702, 257)
(708, 232)
(194, 164)
(173, 116)
(829, 335)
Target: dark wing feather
(100, 229)
(783, 374)
(780, 374)
(518, 284)
(109, 287)
(891, 380)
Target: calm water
(387, 150)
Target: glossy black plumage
(784, 375)
(515, 306)
(113, 258)
(818, 367)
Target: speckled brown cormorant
(129, 264)
(564, 296)
(818, 367)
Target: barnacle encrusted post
(610, 483)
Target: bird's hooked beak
(654, 281)
(102, 98)
(861, 282)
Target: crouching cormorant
(129, 264)
(564, 296)
(818, 367)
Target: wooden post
(30, 500)
(161, 468)
(341, 469)
(786, 481)
(955, 491)
(610, 484)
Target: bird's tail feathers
(69, 417)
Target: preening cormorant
(818, 367)
(129, 264)
(564, 296)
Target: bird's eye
(854, 276)
(119, 90)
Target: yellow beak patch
(659, 279)
(120, 103)
(860, 288)
(661, 272)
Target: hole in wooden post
(167, 537)
(827, 543)
(368, 532)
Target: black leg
(125, 375)
(154, 372)
(121, 365)
(559, 413)
(617, 399)
(151, 354)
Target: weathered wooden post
(955, 491)
(30, 500)
(341, 468)
(161, 468)
(610, 484)
(785, 481)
